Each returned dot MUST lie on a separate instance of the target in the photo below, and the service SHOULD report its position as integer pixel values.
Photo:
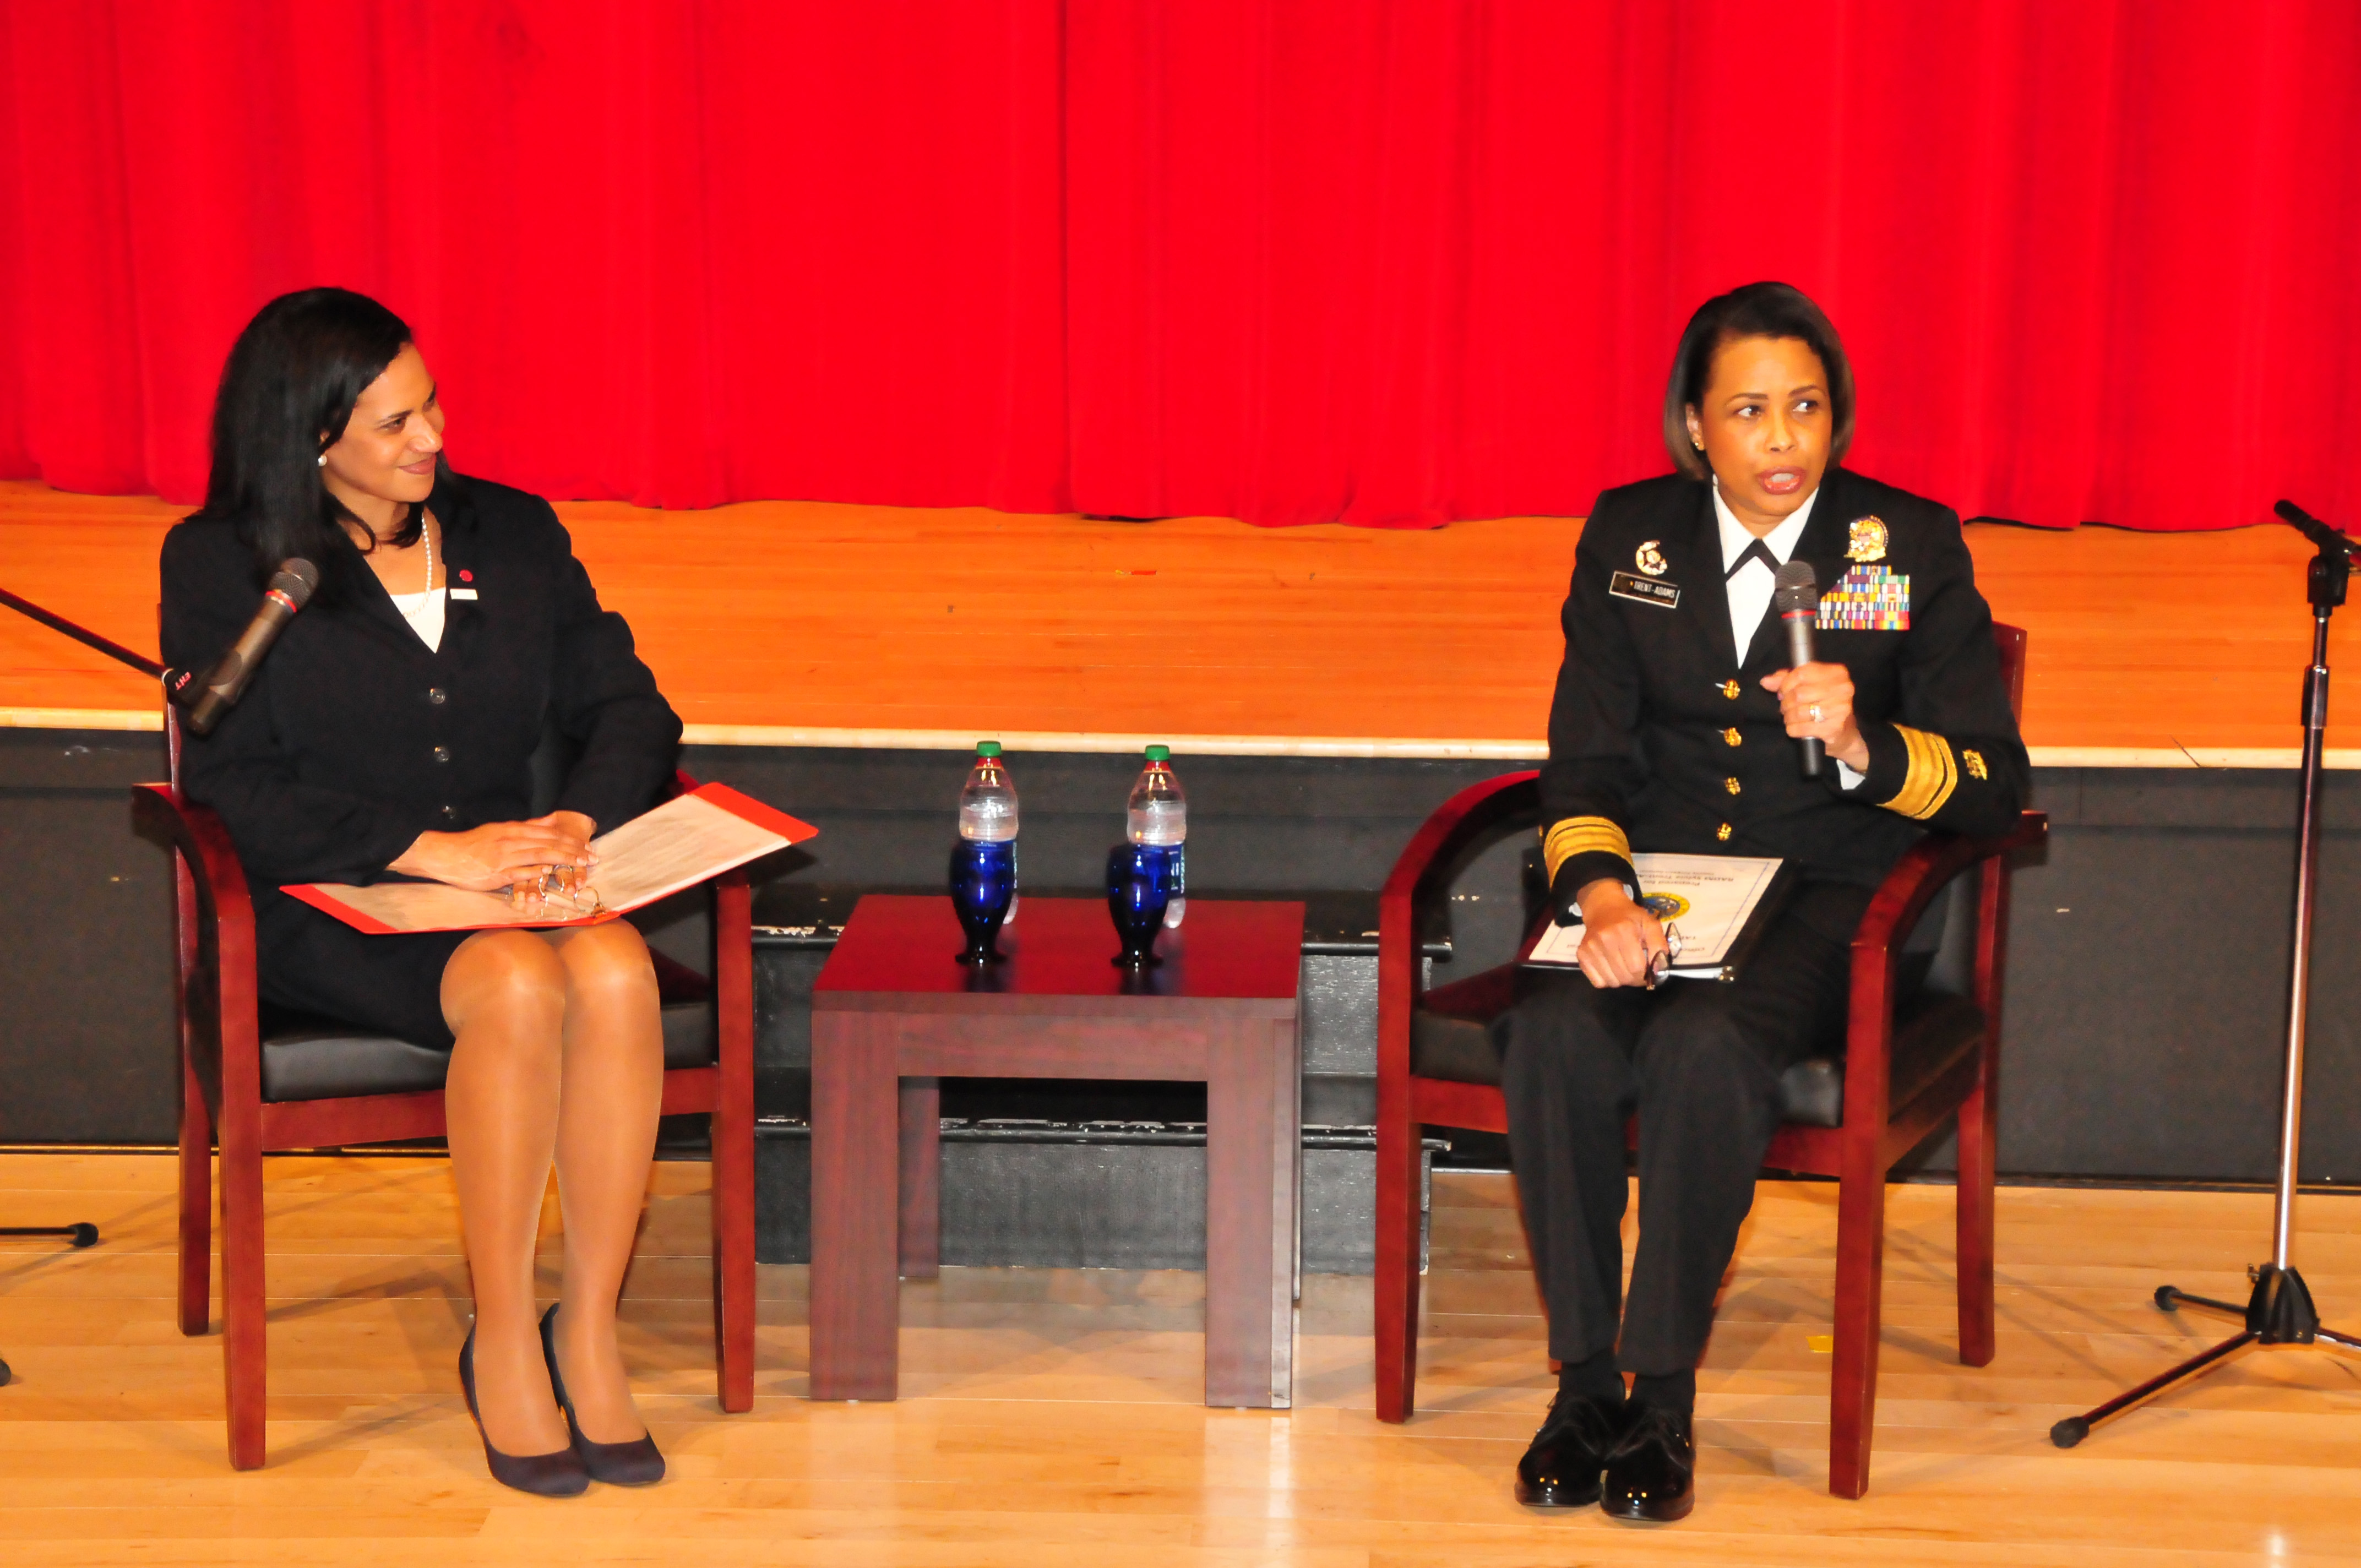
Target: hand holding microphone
(1815, 699)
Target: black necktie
(1755, 551)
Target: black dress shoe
(558, 1474)
(1560, 1469)
(633, 1463)
(1651, 1473)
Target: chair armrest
(225, 937)
(1924, 871)
(163, 815)
(1453, 826)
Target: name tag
(1867, 598)
(1644, 590)
(462, 593)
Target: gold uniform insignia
(1975, 762)
(1867, 541)
(1650, 558)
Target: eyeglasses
(561, 886)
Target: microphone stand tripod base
(2278, 1312)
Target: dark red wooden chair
(1922, 1049)
(261, 1083)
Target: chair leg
(733, 1259)
(733, 1145)
(1974, 1251)
(196, 1206)
(1396, 1281)
(245, 1342)
(1860, 1278)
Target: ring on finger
(1815, 713)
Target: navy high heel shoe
(633, 1463)
(558, 1474)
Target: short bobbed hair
(287, 393)
(1758, 309)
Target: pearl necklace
(426, 532)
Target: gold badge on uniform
(1651, 559)
(1975, 762)
(1868, 539)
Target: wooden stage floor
(1048, 1417)
(786, 623)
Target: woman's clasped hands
(548, 853)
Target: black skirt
(308, 961)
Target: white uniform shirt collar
(1780, 541)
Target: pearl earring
(324, 459)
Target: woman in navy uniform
(1673, 729)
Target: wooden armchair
(1922, 1049)
(261, 1083)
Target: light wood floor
(791, 615)
(1048, 1417)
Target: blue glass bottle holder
(1141, 881)
(984, 884)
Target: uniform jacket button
(442, 753)
(450, 813)
(1733, 738)
(1730, 784)
(437, 696)
(1722, 832)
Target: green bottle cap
(1159, 754)
(987, 748)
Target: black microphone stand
(2280, 1312)
(83, 1233)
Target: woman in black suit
(1673, 729)
(388, 735)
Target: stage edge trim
(790, 737)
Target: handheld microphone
(207, 698)
(1796, 595)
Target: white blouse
(425, 612)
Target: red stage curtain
(1286, 259)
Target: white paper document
(685, 841)
(1705, 902)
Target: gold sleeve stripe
(1934, 774)
(1560, 841)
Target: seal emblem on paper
(1867, 541)
(1650, 558)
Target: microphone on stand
(2319, 532)
(217, 691)
(1796, 595)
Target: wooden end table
(893, 1012)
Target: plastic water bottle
(1158, 817)
(983, 861)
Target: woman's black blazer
(355, 736)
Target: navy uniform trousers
(1699, 1061)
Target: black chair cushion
(1451, 1037)
(308, 1058)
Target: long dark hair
(1758, 309)
(287, 393)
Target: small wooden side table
(893, 1012)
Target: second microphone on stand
(1796, 595)
(209, 696)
